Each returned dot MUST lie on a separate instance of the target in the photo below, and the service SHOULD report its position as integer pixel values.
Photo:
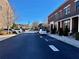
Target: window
(67, 23)
(77, 5)
(67, 10)
(64, 11)
(60, 13)
(57, 15)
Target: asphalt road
(33, 46)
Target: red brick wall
(72, 10)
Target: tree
(35, 25)
(40, 25)
(14, 26)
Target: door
(75, 25)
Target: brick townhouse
(66, 15)
(6, 14)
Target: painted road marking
(41, 37)
(46, 40)
(53, 48)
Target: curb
(67, 40)
(6, 37)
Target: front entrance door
(75, 25)
(58, 26)
(51, 28)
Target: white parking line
(53, 48)
(41, 37)
(46, 40)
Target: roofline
(59, 7)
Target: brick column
(78, 23)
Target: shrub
(77, 36)
(66, 31)
(53, 30)
(1, 31)
(60, 31)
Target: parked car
(17, 31)
(42, 32)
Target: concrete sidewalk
(3, 37)
(68, 40)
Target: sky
(29, 11)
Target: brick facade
(69, 10)
(6, 14)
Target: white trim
(68, 18)
(78, 24)
(60, 10)
(67, 6)
(76, 0)
(70, 25)
(52, 22)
